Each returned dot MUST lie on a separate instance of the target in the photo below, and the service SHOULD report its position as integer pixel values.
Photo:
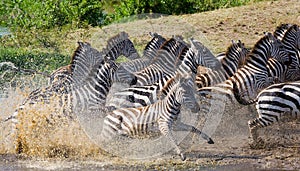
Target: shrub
(51, 13)
(38, 61)
(133, 7)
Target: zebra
(66, 71)
(291, 42)
(231, 60)
(126, 69)
(253, 76)
(164, 63)
(134, 122)
(120, 45)
(281, 30)
(187, 62)
(116, 46)
(272, 104)
(85, 89)
(276, 70)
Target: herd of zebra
(170, 74)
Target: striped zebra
(137, 122)
(276, 70)
(126, 70)
(281, 30)
(187, 62)
(291, 42)
(86, 89)
(164, 63)
(253, 76)
(116, 46)
(231, 60)
(66, 71)
(273, 103)
(120, 45)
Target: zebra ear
(154, 34)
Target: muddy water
(66, 146)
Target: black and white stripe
(253, 76)
(291, 42)
(163, 65)
(231, 60)
(138, 121)
(273, 103)
(126, 70)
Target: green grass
(35, 60)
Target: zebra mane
(237, 47)
(185, 55)
(170, 84)
(268, 38)
(281, 30)
(155, 43)
(176, 81)
(113, 41)
(292, 32)
(85, 61)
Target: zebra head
(242, 52)
(186, 61)
(291, 39)
(276, 49)
(204, 56)
(187, 91)
(118, 45)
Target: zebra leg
(180, 126)
(253, 125)
(165, 129)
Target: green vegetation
(41, 25)
(35, 60)
(171, 7)
(27, 14)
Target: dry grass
(215, 29)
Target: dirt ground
(231, 150)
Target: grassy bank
(46, 50)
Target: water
(66, 147)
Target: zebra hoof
(258, 144)
(182, 156)
(210, 141)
